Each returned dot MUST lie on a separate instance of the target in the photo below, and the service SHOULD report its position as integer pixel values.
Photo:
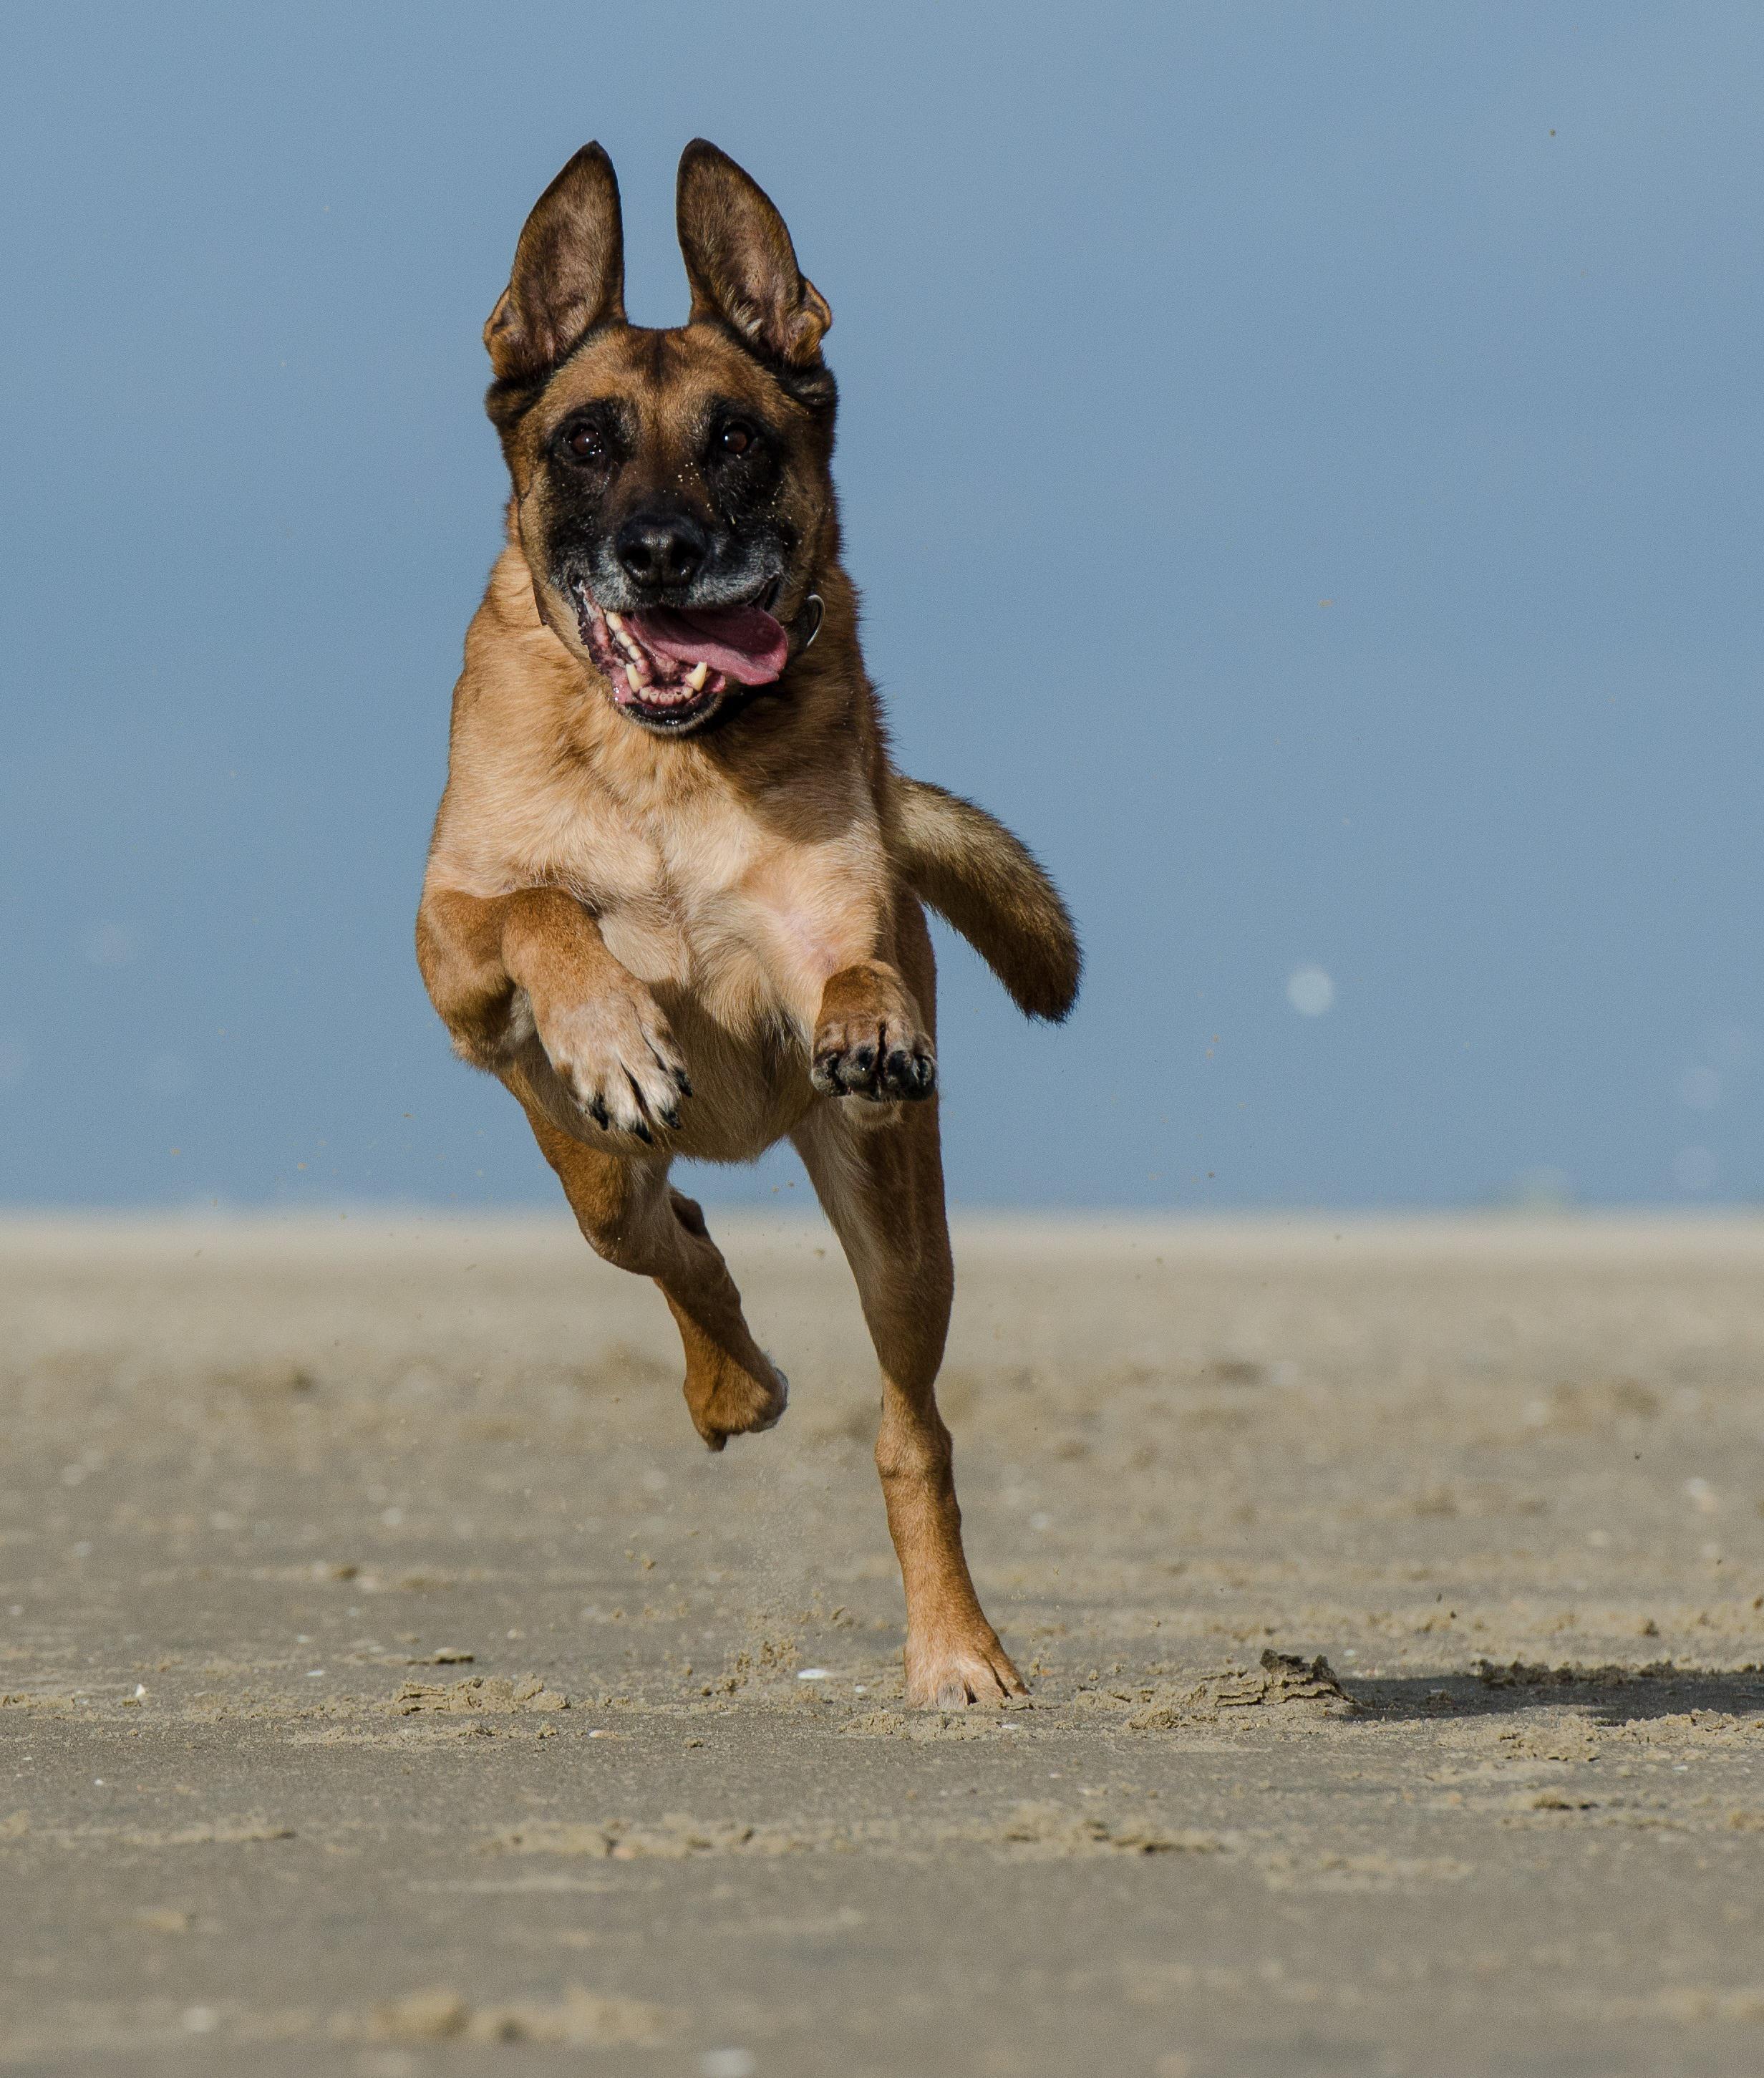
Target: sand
(390, 1682)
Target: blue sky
(1302, 466)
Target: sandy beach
(390, 1682)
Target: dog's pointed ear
(569, 275)
(741, 261)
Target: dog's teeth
(615, 624)
(696, 676)
(631, 679)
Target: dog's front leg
(527, 987)
(871, 1040)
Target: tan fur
(611, 920)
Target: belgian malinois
(674, 898)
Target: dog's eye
(735, 439)
(584, 444)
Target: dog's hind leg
(631, 1217)
(882, 1187)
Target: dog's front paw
(869, 1054)
(618, 1060)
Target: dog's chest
(715, 900)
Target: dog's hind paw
(737, 1404)
(954, 1675)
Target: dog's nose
(662, 549)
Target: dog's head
(672, 488)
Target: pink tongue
(741, 640)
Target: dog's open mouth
(668, 666)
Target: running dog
(673, 900)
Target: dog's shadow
(1609, 1695)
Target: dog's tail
(985, 882)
